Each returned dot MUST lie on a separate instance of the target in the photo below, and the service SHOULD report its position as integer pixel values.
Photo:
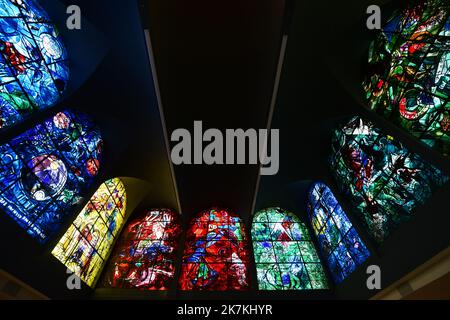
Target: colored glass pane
(285, 256)
(87, 243)
(408, 79)
(144, 256)
(340, 245)
(216, 255)
(383, 180)
(33, 61)
(44, 171)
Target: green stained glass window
(383, 180)
(408, 76)
(285, 256)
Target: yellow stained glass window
(87, 243)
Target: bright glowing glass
(382, 179)
(33, 61)
(285, 256)
(408, 79)
(87, 243)
(339, 243)
(216, 255)
(144, 255)
(44, 171)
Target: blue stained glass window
(33, 61)
(383, 180)
(339, 243)
(44, 171)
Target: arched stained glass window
(216, 254)
(33, 61)
(144, 256)
(409, 72)
(44, 171)
(285, 256)
(339, 243)
(383, 180)
(87, 243)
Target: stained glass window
(33, 61)
(144, 256)
(285, 256)
(409, 72)
(383, 180)
(216, 255)
(44, 171)
(87, 243)
(340, 245)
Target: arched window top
(383, 180)
(33, 61)
(275, 215)
(284, 226)
(340, 245)
(144, 256)
(216, 255)
(87, 243)
(45, 171)
(285, 256)
(408, 78)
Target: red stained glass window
(216, 254)
(144, 256)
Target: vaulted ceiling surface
(216, 63)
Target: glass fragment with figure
(34, 69)
(144, 256)
(285, 256)
(45, 171)
(408, 80)
(216, 256)
(87, 243)
(383, 180)
(339, 242)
